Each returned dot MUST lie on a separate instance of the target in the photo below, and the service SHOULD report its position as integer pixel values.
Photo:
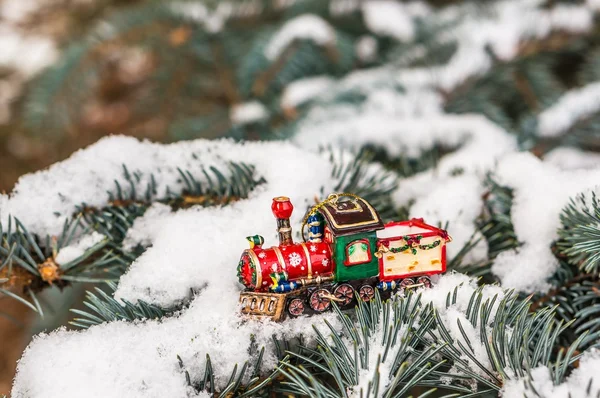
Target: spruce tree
(480, 117)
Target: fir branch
(245, 383)
(389, 348)
(580, 233)
(531, 342)
(213, 188)
(406, 166)
(495, 222)
(383, 333)
(105, 308)
(575, 297)
(28, 263)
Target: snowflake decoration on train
(295, 259)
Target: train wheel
(425, 281)
(296, 307)
(344, 293)
(319, 300)
(405, 283)
(366, 292)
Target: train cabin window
(357, 252)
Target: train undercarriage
(318, 298)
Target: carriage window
(357, 252)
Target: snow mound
(540, 192)
(582, 382)
(45, 199)
(307, 27)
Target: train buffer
(259, 305)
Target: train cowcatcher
(348, 254)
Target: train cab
(351, 226)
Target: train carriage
(349, 253)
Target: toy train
(349, 253)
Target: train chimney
(282, 210)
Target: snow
(248, 112)
(303, 27)
(43, 200)
(456, 201)
(388, 18)
(28, 54)
(301, 91)
(502, 28)
(480, 141)
(22, 53)
(593, 4)
(575, 386)
(147, 227)
(540, 192)
(77, 249)
(566, 158)
(213, 19)
(146, 352)
(572, 107)
(366, 48)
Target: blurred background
(72, 71)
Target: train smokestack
(282, 210)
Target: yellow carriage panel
(413, 260)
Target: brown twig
(554, 292)
(524, 88)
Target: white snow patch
(89, 173)
(540, 192)
(571, 18)
(213, 20)
(146, 352)
(77, 249)
(502, 27)
(248, 112)
(566, 158)
(593, 4)
(388, 18)
(456, 201)
(307, 27)
(575, 386)
(26, 53)
(301, 91)
(480, 141)
(366, 48)
(573, 106)
(147, 227)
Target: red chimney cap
(282, 207)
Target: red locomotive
(349, 253)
